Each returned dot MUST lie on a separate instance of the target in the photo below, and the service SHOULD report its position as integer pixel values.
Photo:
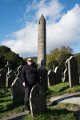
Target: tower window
(39, 22)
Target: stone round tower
(42, 40)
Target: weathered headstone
(58, 74)
(17, 88)
(2, 78)
(65, 73)
(43, 77)
(51, 78)
(37, 100)
(73, 71)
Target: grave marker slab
(37, 100)
(51, 78)
(73, 71)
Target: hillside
(7, 55)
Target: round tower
(42, 40)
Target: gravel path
(73, 98)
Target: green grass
(7, 107)
(53, 114)
(73, 89)
(69, 106)
(62, 88)
(6, 104)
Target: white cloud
(64, 32)
(26, 40)
(53, 10)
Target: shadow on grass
(53, 114)
(49, 92)
(1, 107)
(64, 88)
(5, 95)
(60, 114)
(77, 114)
(5, 100)
(53, 92)
(10, 107)
(18, 118)
(57, 111)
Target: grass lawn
(61, 113)
(62, 88)
(53, 114)
(6, 104)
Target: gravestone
(57, 70)
(65, 73)
(10, 76)
(43, 77)
(73, 71)
(51, 78)
(2, 78)
(37, 100)
(17, 88)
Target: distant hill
(7, 55)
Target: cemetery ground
(55, 111)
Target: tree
(59, 55)
(52, 64)
(2, 61)
(7, 55)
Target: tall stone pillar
(42, 40)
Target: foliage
(51, 64)
(4, 49)
(2, 61)
(7, 55)
(58, 55)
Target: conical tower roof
(41, 18)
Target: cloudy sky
(19, 24)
